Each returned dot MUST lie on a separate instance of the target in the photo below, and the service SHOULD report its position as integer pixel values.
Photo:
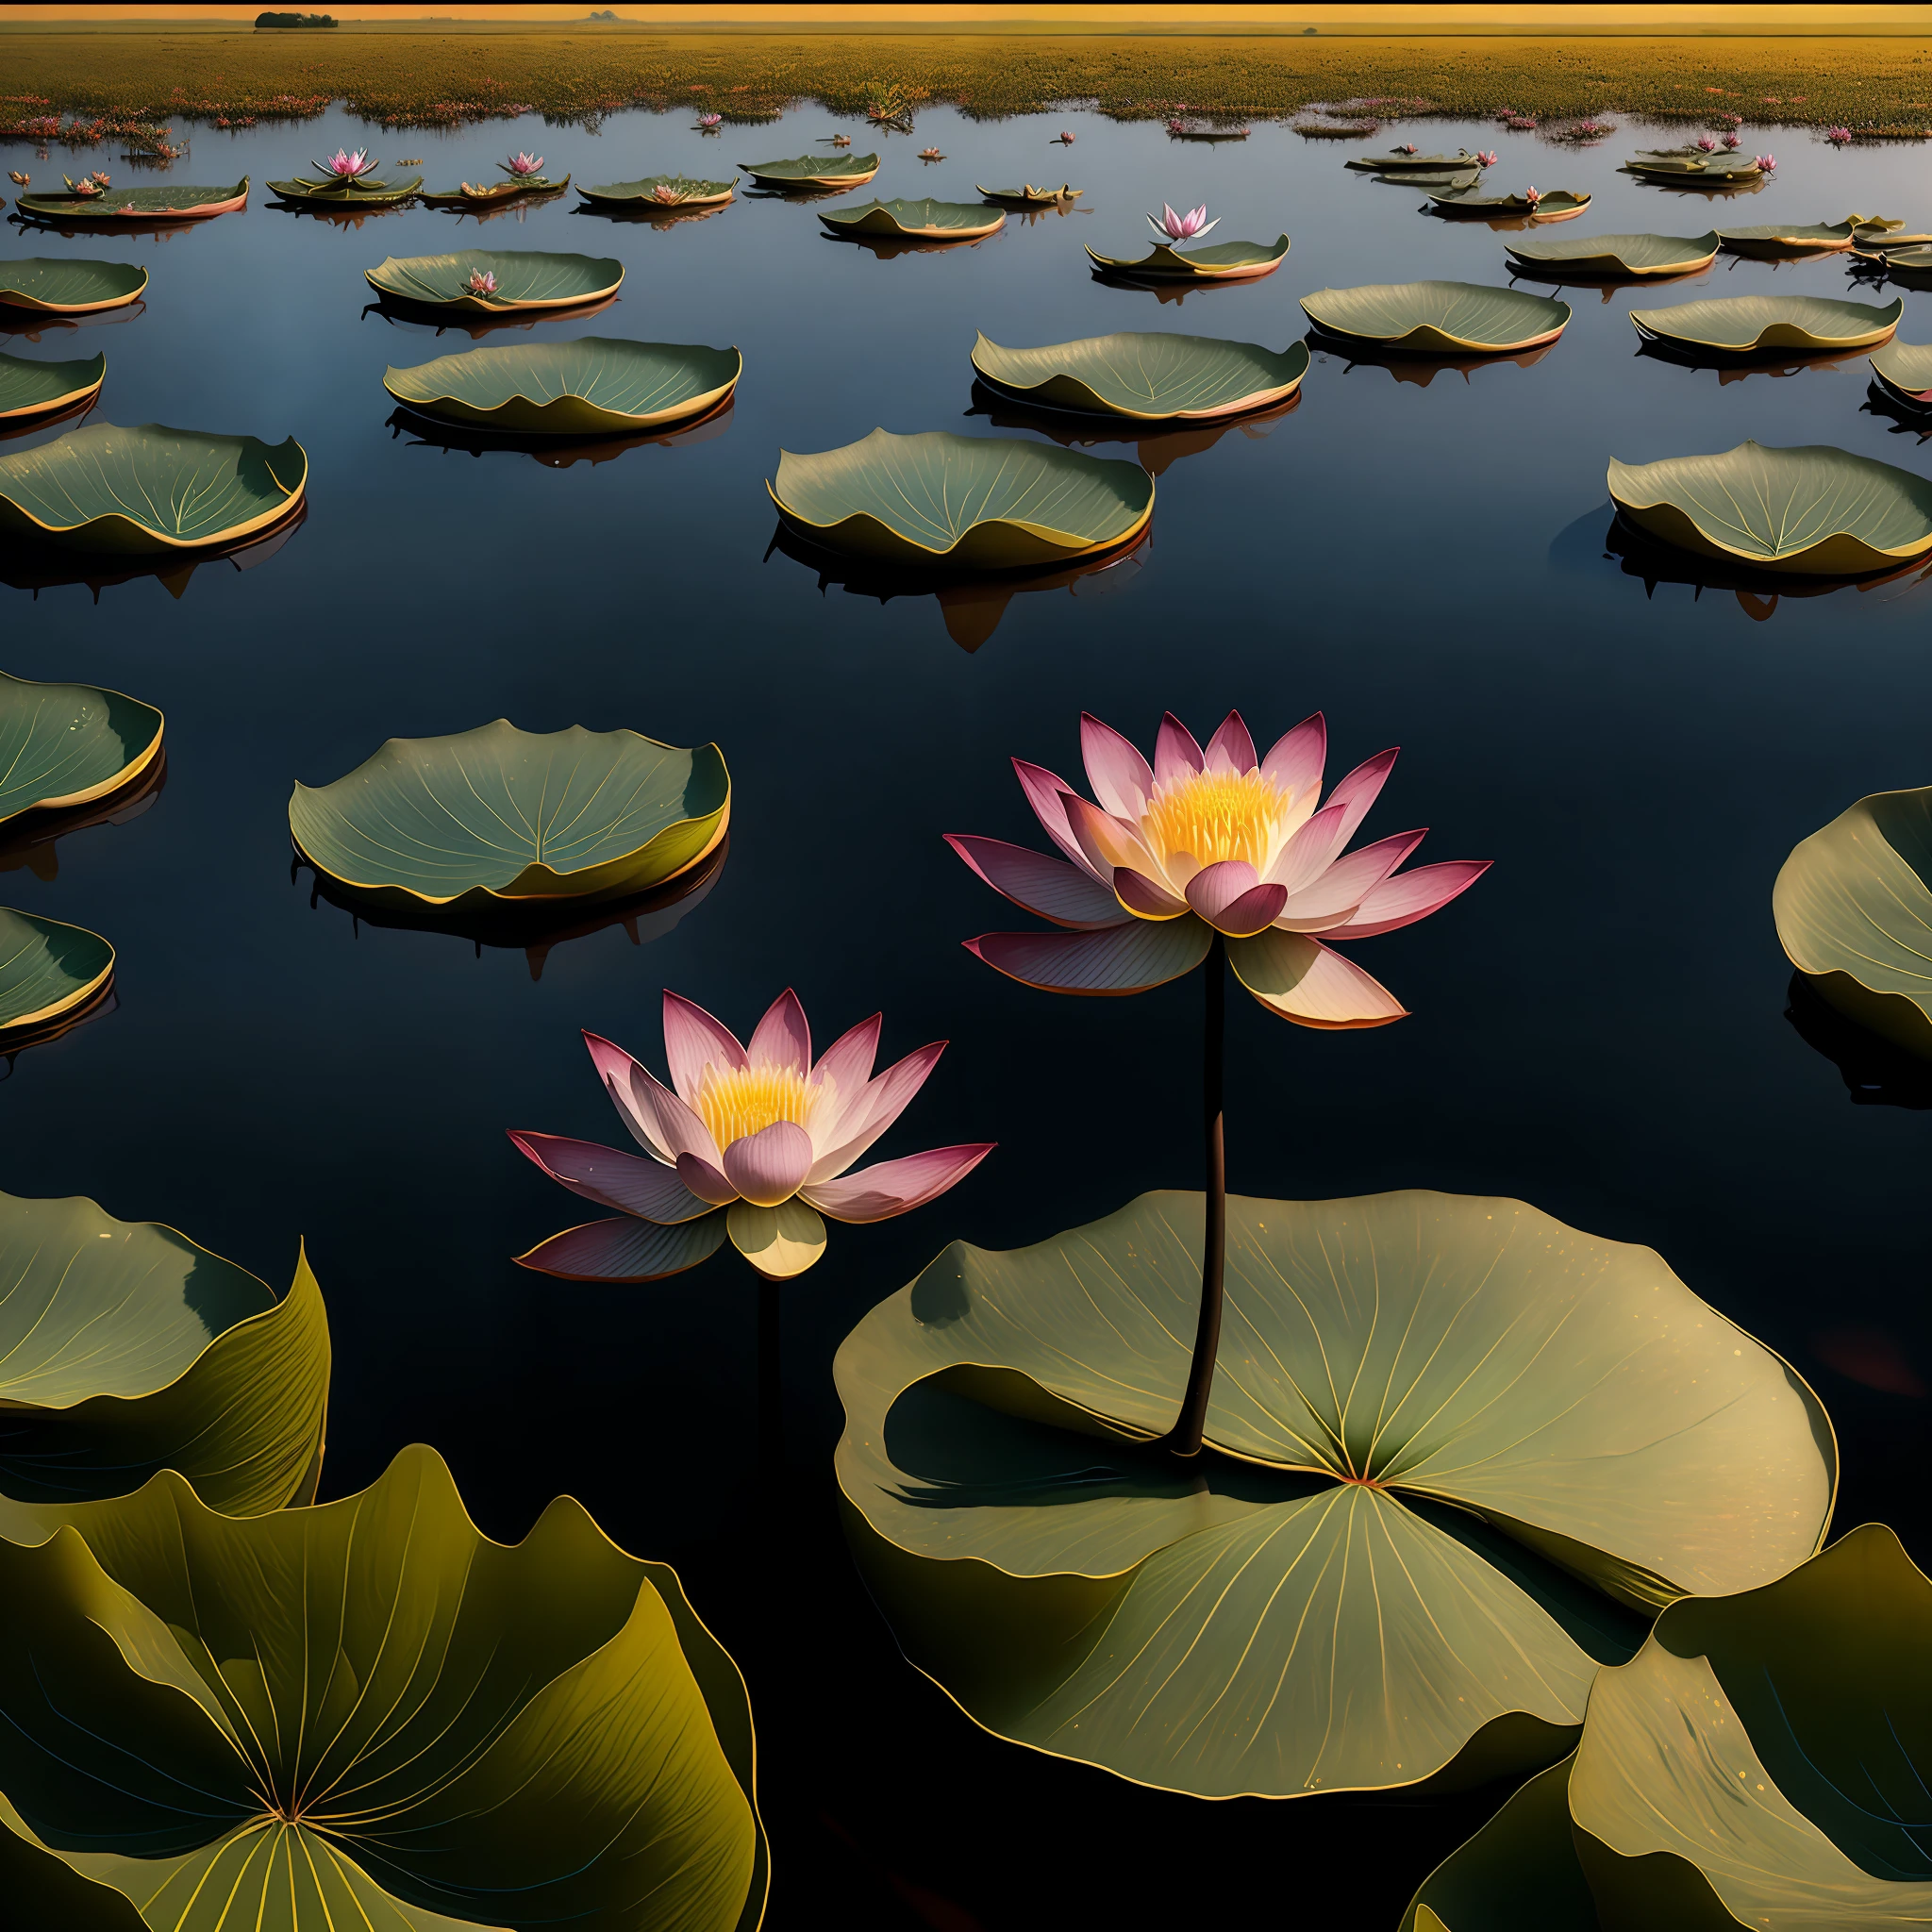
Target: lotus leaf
(1431, 318)
(173, 203)
(1221, 261)
(1029, 197)
(1457, 184)
(1762, 1761)
(1911, 268)
(39, 389)
(346, 194)
(1738, 324)
(1149, 377)
(985, 502)
(47, 968)
(1769, 242)
(1713, 171)
(931, 221)
(368, 1715)
(1618, 254)
(125, 1349)
(689, 193)
(151, 488)
(1812, 508)
(1559, 205)
(1448, 1438)
(1396, 162)
(69, 744)
(1854, 910)
(55, 286)
(596, 385)
(498, 813)
(520, 188)
(814, 170)
(1905, 369)
(526, 279)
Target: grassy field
(122, 81)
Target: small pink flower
(1707, 144)
(1405, 147)
(1837, 135)
(1734, 140)
(1066, 139)
(1188, 228)
(481, 282)
(1486, 157)
(710, 122)
(1532, 195)
(1176, 126)
(1766, 162)
(99, 179)
(522, 164)
(666, 194)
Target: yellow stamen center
(734, 1102)
(1217, 815)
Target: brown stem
(1184, 1439)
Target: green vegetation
(409, 79)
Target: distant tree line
(284, 19)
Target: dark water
(1599, 1028)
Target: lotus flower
(666, 194)
(1532, 195)
(1207, 842)
(710, 122)
(520, 165)
(930, 154)
(85, 185)
(1707, 144)
(481, 282)
(1187, 227)
(100, 179)
(1766, 162)
(1176, 126)
(1734, 142)
(758, 1129)
(1837, 135)
(19, 179)
(1064, 139)
(841, 141)
(344, 166)
(1406, 148)
(1485, 157)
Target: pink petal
(625, 1250)
(1414, 895)
(895, 1186)
(844, 1070)
(1332, 896)
(766, 1167)
(881, 1103)
(1049, 887)
(1359, 790)
(1105, 841)
(703, 1181)
(1309, 852)
(782, 1039)
(1302, 980)
(1296, 758)
(644, 1187)
(1048, 797)
(1120, 777)
(1229, 897)
(1231, 748)
(693, 1040)
(1144, 897)
(1174, 751)
(1128, 959)
(615, 1067)
(670, 1121)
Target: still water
(1600, 1027)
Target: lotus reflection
(1905, 420)
(32, 324)
(37, 568)
(1156, 446)
(660, 217)
(120, 231)
(413, 315)
(1875, 1073)
(15, 1041)
(553, 452)
(1608, 285)
(1731, 368)
(29, 840)
(1418, 370)
(531, 929)
(889, 247)
(970, 606)
(1163, 290)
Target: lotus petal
(149, 489)
(844, 1069)
(1421, 1398)
(778, 1241)
(176, 202)
(47, 968)
(693, 1039)
(1414, 895)
(930, 221)
(1126, 958)
(1740, 325)
(1438, 318)
(1854, 910)
(813, 172)
(55, 286)
(872, 1111)
(895, 1187)
(644, 1187)
(63, 745)
(783, 1036)
(1337, 891)
(1122, 780)
(124, 1349)
(987, 502)
(1905, 371)
(1219, 261)
(1301, 979)
(625, 1249)
(367, 1714)
(1617, 254)
(596, 386)
(526, 279)
(1815, 509)
(1296, 758)
(498, 813)
(29, 388)
(1232, 899)
(768, 1167)
(1146, 378)
(632, 194)
(1048, 887)
(1108, 842)
(1048, 795)
(1144, 897)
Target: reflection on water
(1552, 275)
(1409, 366)
(651, 217)
(32, 324)
(29, 841)
(1875, 1073)
(1156, 446)
(38, 567)
(70, 418)
(553, 452)
(1905, 420)
(417, 315)
(1730, 366)
(15, 1041)
(889, 247)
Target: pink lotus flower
(666, 194)
(1205, 844)
(344, 166)
(481, 282)
(1176, 126)
(84, 186)
(1532, 195)
(758, 1129)
(100, 179)
(1837, 135)
(930, 154)
(1406, 148)
(1707, 144)
(1734, 140)
(1064, 139)
(1188, 228)
(520, 165)
(1485, 157)
(1766, 162)
(710, 122)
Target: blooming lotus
(666, 194)
(1837, 135)
(930, 154)
(520, 165)
(1707, 144)
(1766, 162)
(19, 179)
(710, 122)
(344, 166)
(1064, 139)
(758, 1130)
(1405, 147)
(1188, 228)
(100, 178)
(1485, 157)
(1532, 195)
(481, 282)
(84, 186)
(1733, 142)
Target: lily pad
(1740, 325)
(1559, 205)
(1773, 242)
(147, 489)
(1905, 371)
(30, 388)
(1396, 162)
(125, 1349)
(497, 813)
(1221, 261)
(597, 385)
(47, 968)
(1911, 268)
(1448, 1440)
(173, 203)
(521, 188)
(930, 221)
(1854, 910)
(1027, 195)
(814, 170)
(63, 745)
(643, 195)
(367, 1714)
(985, 502)
(1813, 508)
(346, 194)
(1457, 184)
(1618, 254)
(1149, 377)
(526, 279)
(1429, 318)
(55, 286)
(1706, 171)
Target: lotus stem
(1184, 1440)
(771, 1381)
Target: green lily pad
(1905, 369)
(526, 279)
(368, 1715)
(987, 503)
(498, 813)
(1618, 254)
(1706, 171)
(1449, 1437)
(151, 488)
(1556, 206)
(814, 170)
(1148, 377)
(521, 188)
(1773, 242)
(1854, 910)
(59, 286)
(1431, 318)
(1396, 162)
(1741, 325)
(47, 968)
(1221, 261)
(928, 221)
(1027, 195)
(63, 745)
(174, 202)
(1456, 185)
(38, 388)
(643, 194)
(346, 194)
(597, 385)
(1813, 508)
(125, 1349)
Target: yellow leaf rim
(1840, 555)
(53, 404)
(892, 228)
(1258, 399)
(14, 298)
(1780, 335)
(806, 181)
(67, 801)
(562, 415)
(1426, 338)
(476, 305)
(196, 212)
(78, 997)
(1166, 264)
